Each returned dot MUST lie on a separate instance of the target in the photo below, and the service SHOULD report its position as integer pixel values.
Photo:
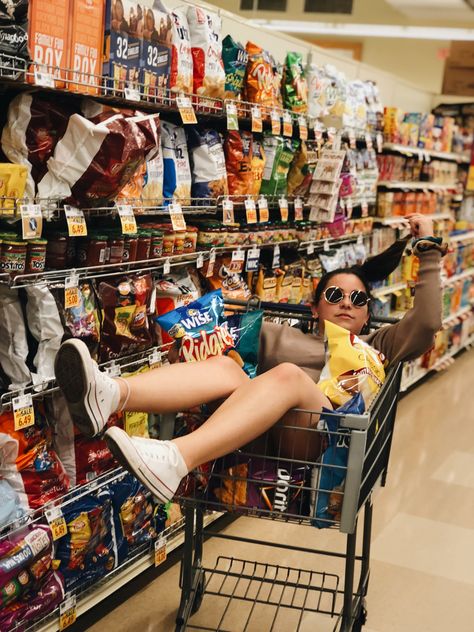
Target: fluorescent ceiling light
(367, 30)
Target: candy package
(209, 176)
(176, 169)
(352, 366)
(327, 479)
(294, 85)
(279, 154)
(238, 149)
(259, 80)
(258, 165)
(181, 77)
(235, 59)
(206, 46)
(125, 302)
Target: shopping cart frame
(367, 465)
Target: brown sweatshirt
(405, 340)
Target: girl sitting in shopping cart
(291, 362)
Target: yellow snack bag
(12, 185)
(352, 366)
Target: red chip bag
(238, 149)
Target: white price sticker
(253, 257)
(31, 221)
(298, 210)
(57, 522)
(186, 110)
(127, 219)
(76, 222)
(43, 78)
(113, 370)
(23, 412)
(166, 266)
(177, 217)
(232, 118)
(200, 261)
(227, 211)
(212, 261)
(360, 240)
(251, 211)
(283, 204)
(263, 209)
(132, 93)
(160, 551)
(238, 255)
(379, 142)
(287, 124)
(276, 122)
(310, 248)
(154, 359)
(276, 257)
(67, 612)
(369, 141)
(72, 296)
(326, 246)
(257, 123)
(352, 140)
(303, 127)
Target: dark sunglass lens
(358, 298)
(333, 294)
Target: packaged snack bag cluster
(259, 81)
(176, 168)
(14, 43)
(206, 46)
(279, 153)
(352, 367)
(235, 58)
(228, 277)
(294, 85)
(208, 168)
(238, 148)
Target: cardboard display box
(462, 54)
(458, 80)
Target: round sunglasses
(335, 295)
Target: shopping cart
(263, 480)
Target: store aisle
(422, 559)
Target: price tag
(310, 248)
(276, 257)
(132, 93)
(250, 211)
(43, 78)
(379, 142)
(336, 143)
(23, 412)
(276, 123)
(31, 221)
(127, 219)
(368, 141)
(365, 208)
(72, 297)
(360, 240)
(227, 211)
(349, 208)
(76, 222)
(57, 523)
(154, 360)
(232, 118)
(212, 261)
(67, 612)
(177, 217)
(263, 209)
(257, 123)
(186, 110)
(238, 256)
(200, 261)
(352, 140)
(303, 127)
(298, 210)
(160, 551)
(253, 257)
(283, 204)
(287, 124)
(326, 246)
(113, 369)
(166, 266)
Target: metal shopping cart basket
(262, 480)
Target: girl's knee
(288, 373)
(231, 369)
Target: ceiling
(434, 9)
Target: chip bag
(259, 81)
(235, 59)
(209, 176)
(238, 149)
(301, 170)
(294, 85)
(258, 166)
(206, 46)
(228, 277)
(352, 367)
(176, 169)
(181, 77)
(279, 154)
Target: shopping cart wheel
(199, 594)
(361, 619)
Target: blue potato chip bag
(329, 476)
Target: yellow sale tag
(76, 222)
(160, 551)
(287, 124)
(283, 204)
(67, 613)
(303, 126)
(251, 212)
(298, 210)
(127, 219)
(186, 110)
(57, 522)
(276, 123)
(257, 123)
(263, 209)
(177, 217)
(71, 297)
(24, 417)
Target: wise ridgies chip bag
(352, 367)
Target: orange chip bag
(238, 161)
(258, 165)
(352, 366)
(259, 82)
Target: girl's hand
(420, 225)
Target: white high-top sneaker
(91, 395)
(158, 465)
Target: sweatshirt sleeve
(414, 334)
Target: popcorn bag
(206, 43)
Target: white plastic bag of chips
(181, 76)
(206, 43)
(176, 169)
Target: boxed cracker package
(86, 45)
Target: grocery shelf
(453, 317)
(429, 153)
(400, 219)
(390, 289)
(458, 277)
(319, 244)
(406, 184)
(467, 236)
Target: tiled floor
(422, 572)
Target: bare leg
(182, 386)
(253, 408)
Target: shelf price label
(365, 208)
(257, 123)
(160, 551)
(76, 223)
(251, 211)
(253, 257)
(298, 210)
(127, 219)
(43, 78)
(368, 141)
(352, 140)
(210, 265)
(57, 522)
(379, 142)
(177, 217)
(23, 411)
(72, 297)
(310, 248)
(154, 359)
(263, 209)
(167, 266)
(232, 118)
(227, 211)
(276, 122)
(186, 110)
(132, 93)
(31, 221)
(276, 257)
(303, 127)
(200, 261)
(283, 204)
(67, 612)
(287, 124)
